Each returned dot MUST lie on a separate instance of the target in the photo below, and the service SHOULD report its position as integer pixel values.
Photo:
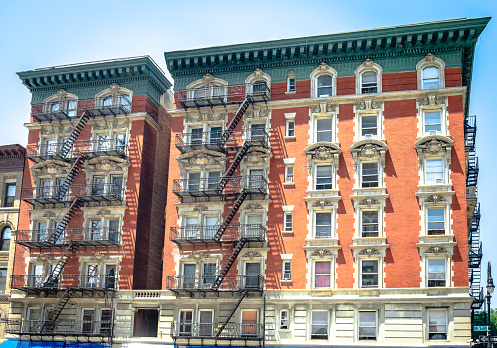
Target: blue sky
(36, 34)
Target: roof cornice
(96, 72)
(414, 39)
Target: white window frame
(428, 207)
(442, 122)
(379, 171)
(286, 275)
(332, 226)
(360, 272)
(368, 66)
(332, 131)
(428, 62)
(284, 320)
(359, 325)
(288, 225)
(333, 176)
(438, 181)
(180, 310)
(332, 273)
(446, 262)
(323, 69)
(289, 85)
(311, 324)
(379, 211)
(431, 310)
(378, 128)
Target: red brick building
(319, 191)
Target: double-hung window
(323, 228)
(322, 274)
(324, 177)
(319, 325)
(324, 86)
(369, 174)
(284, 320)
(368, 325)
(287, 270)
(369, 82)
(369, 273)
(436, 273)
(434, 171)
(290, 128)
(431, 78)
(437, 324)
(369, 127)
(432, 122)
(369, 223)
(10, 194)
(289, 173)
(288, 222)
(324, 129)
(290, 83)
(436, 221)
(185, 323)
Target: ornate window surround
(256, 76)
(427, 62)
(368, 107)
(101, 260)
(61, 96)
(316, 255)
(432, 102)
(107, 166)
(323, 69)
(368, 66)
(104, 215)
(201, 161)
(436, 252)
(322, 153)
(366, 255)
(115, 91)
(323, 110)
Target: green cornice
(342, 46)
(140, 74)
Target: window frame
(286, 274)
(432, 310)
(331, 177)
(437, 181)
(291, 88)
(331, 274)
(429, 207)
(282, 320)
(445, 273)
(312, 324)
(331, 131)
(288, 225)
(331, 212)
(379, 215)
(427, 62)
(366, 67)
(378, 175)
(323, 69)
(288, 175)
(9, 203)
(376, 326)
(378, 274)
(4, 245)
(373, 136)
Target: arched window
(62, 104)
(431, 72)
(325, 86)
(5, 238)
(323, 81)
(368, 77)
(114, 100)
(369, 83)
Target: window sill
(285, 281)
(284, 330)
(288, 137)
(290, 92)
(289, 183)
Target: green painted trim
(141, 75)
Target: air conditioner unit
(433, 132)
(369, 136)
(439, 181)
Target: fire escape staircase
(49, 324)
(475, 255)
(244, 294)
(75, 132)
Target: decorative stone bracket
(369, 150)
(368, 105)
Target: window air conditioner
(439, 181)
(369, 136)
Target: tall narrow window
(284, 320)
(433, 123)
(290, 83)
(431, 78)
(88, 325)
(287, 270)
(370, 174)
(5, 238)
(3, 280)
(189, 270)
(325, 84)
(369, 82)
(10, 194)
(324, 178)
(185, 323)
(319, 325)
(208, 274)
(289, 173)
(369, 273)
(323, 225)
(434, 171)
(369, 127)
(369, 224)
(322, 274)
(437, 324)
(324, 129)
(368, 325)
(215, 134)
(288, 222)
(196, 136)
(436, 274)
(290, 128)
(436, 221)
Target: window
(369, 274)
(106, 322)
(369, 127)
(249, 323)
(215, 134)
(324, 177)
(324, 86)
(368, 324)
(433, 122)
(323, 228)
(322, 274)
(437, 324)
(91, 275)
(10, 194)
(436, 272)
(3, 280)
(289, 173)
(208, 274)
(369, 174)
(290, 83)
(88, 323)
(436, 221)
(431, 78)
(185, 323)
(369, 83)
(319, 325)
(5, 238)
(34, 316)
(256, 179)
(369, 226)
(288, 222)
(287, 270)
(213, 179)
(434, 171)
(117, 101)
(284, 320)
(324, 129)
(252, 274)
(188, 276)
(67, 106)
(290, 128)
(205, 323)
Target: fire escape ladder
(231, 214)
(236, 162)
(244, 294)
(52, 279)
(219, 279)
(234, 122)
(76, 131)
(76, 167)
(73, 208)
(49, 324)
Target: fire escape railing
(38, 238)
(203, 283)
(88, 328)
(204, 234)
(63, 282)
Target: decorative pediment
(432, 99)
(322, 204)
(197, 255)
(111, 123)
(369, 202)
(252, 254)
(205, 116)
(323, 151)
(49, 214)
(436, 250)
(104, 212)
(202, 158)
(324, 107)
(368, 105)
(44, 258)
(200, 207)
(106, 164)
(434, 146)
(369, 252)
(369, 150)
(256, 112)
(321, 253)
(252, 207)
(98, 257)
(50, 167)
(53, 129)
(435, 199)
